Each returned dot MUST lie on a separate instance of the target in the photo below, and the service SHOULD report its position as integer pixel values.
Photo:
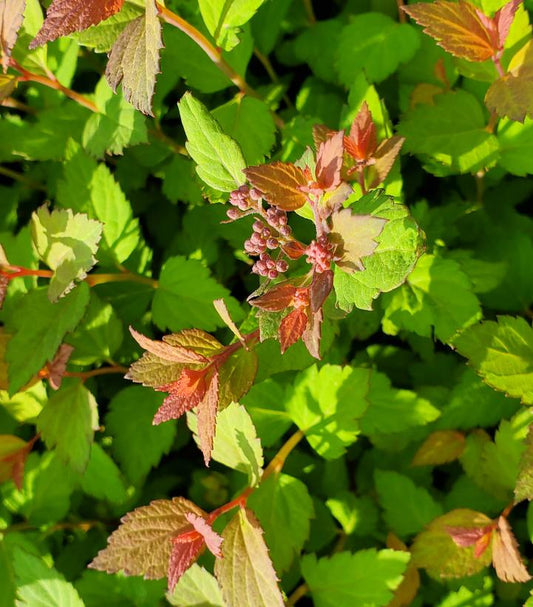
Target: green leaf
(66, 243)
(223, 19)
(475, 597)
(102, 477)
(502, 353)
(249, 122)
(196, 588)
(375, 43)
(134, 59)
(235, 443)
(313, 46)
(325, 405)
(185, 294)
(129, 422)
(367, 577)
(90, 187)
(437, 297)
(516, 147)
(36, 59)
(408, 508)
(39, 585)
(180, 181)
(391, 262)
(116, 125)
(50, 323)
(245, 574)
(101, 37)
(357, 515)
(67, 424)
(282, 502)
(452, 131)
(218, 157)
(98, 589)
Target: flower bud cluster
(268, 267)
(320, 254)
(277, 219)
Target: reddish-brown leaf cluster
(13, 454)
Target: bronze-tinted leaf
(408, 589)
(13, 454)
(440, 447)
(184, 395)
(313, 333)
(329, 161)
(66, 16)
(320, 289)
(362, 142)
(275, 300)
(291, 328)
(280, 182)
(456, 26)
(503, 20)
(207, 418)
(58, 366)
(170, 353)
(384, 158)
(11, 16)
(505, 555)
(479, 537)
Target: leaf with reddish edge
(313, 333)
(67, 16)
(355, 237)
(277, 299)
(207, 418)
(293, 249)
(13, 454)
(176, 354)
(506, 558)
(58, 366)
(320, 134)
(142, 543)
(457, 28)
(503, 20)
(440, 447)
(187, 546)
(320, 289)
(236, 376)
(329, 161)
(479, 537)
(280, 183)
(245, 574)
(384, 158)
(184, 395)
(223, 312)
(362, 142)
(134, 59)
(291, 328)
(11, 17)
(197, 340)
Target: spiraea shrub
(266, 285)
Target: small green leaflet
(223, 19)
(66, 243)
(102, 478)
(245, 552)
(50, 323)
(67, 424)
(101, 37)
(218, 157)
(367, 577)
(196, 587)
(134, 59)
(502, 353)
(39, 585)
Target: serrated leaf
(11, 16)
(134, 59)
(237, 376)
(207, 418)
(408, 508)
(280, 183)
(325, 405)
(39, 585)
(367, 577)
(283, 502)
(67, 424)
(392, 260)
(224, 18)
(142, 543)
(245, 574)
(291, 328)
(524, 482)
(196, 587)
(102, 478)
(66, 16)
(502, 353)
(435, 550)
(437, 297)
(355, 237)
(13, 454)
(505, 555)
(185, 294)
(440, 447)
(357, 515)
(50, 323)
(67, 244)
(457, 27)
(218, 157)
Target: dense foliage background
(398, 468)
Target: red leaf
(292, 328)
(184, 395)
(166, 351)
(11, 17)
(207, 418)
(293, 249)
(472, 536)
(456, 26)
(211, 538)
(13, 454)
(320, 134)
(280, 183)
(384, 157)
(505, 556)
(58, 366)
(66, 16)
(313, 333)
(277, 299)
(503, 20)
(329, 161)
(362, 142)
(320, 288)
(181, 558)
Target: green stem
(308, 5)
(299, 593)
(21, 178)
(95, 372)
(98, 279)
(401, 15)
